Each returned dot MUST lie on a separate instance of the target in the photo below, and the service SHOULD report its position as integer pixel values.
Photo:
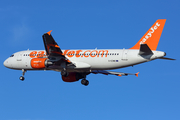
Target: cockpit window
(12, 56)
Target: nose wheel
(23, 73)
(21, 78)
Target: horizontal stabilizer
(145, 50)
(165, 58)
(113, 73)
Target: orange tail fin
(152, 36)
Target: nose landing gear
(23, 73)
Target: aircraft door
(124, 55)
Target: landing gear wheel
(21, 78)
(64, 73)
(23, 73)
(85, 82)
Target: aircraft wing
(52, 48)
(113, 73)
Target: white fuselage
(84, 59)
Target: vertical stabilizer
(152, 36)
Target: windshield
(12, 55)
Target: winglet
(137, 74)
(49, 33)
(120, 75)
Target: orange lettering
(87, 54)
(40, 54)
(65, 52)
(77, 53)
(102, 53)
(70, 53)
(92, 52)
(33, 54)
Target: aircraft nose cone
(6, 63)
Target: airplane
(77, 64)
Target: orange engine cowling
(38, 63)
(72, 77)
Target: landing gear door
(124, 55)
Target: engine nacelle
(72, 77)
(39, 63)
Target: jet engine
(39, 63)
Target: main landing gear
(64, 73)
(85, 82)
(75, 77)
(22, 77)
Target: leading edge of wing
(113, 73)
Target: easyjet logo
(150, 33)
(37, 61)
(73, 53)
(87, 53)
